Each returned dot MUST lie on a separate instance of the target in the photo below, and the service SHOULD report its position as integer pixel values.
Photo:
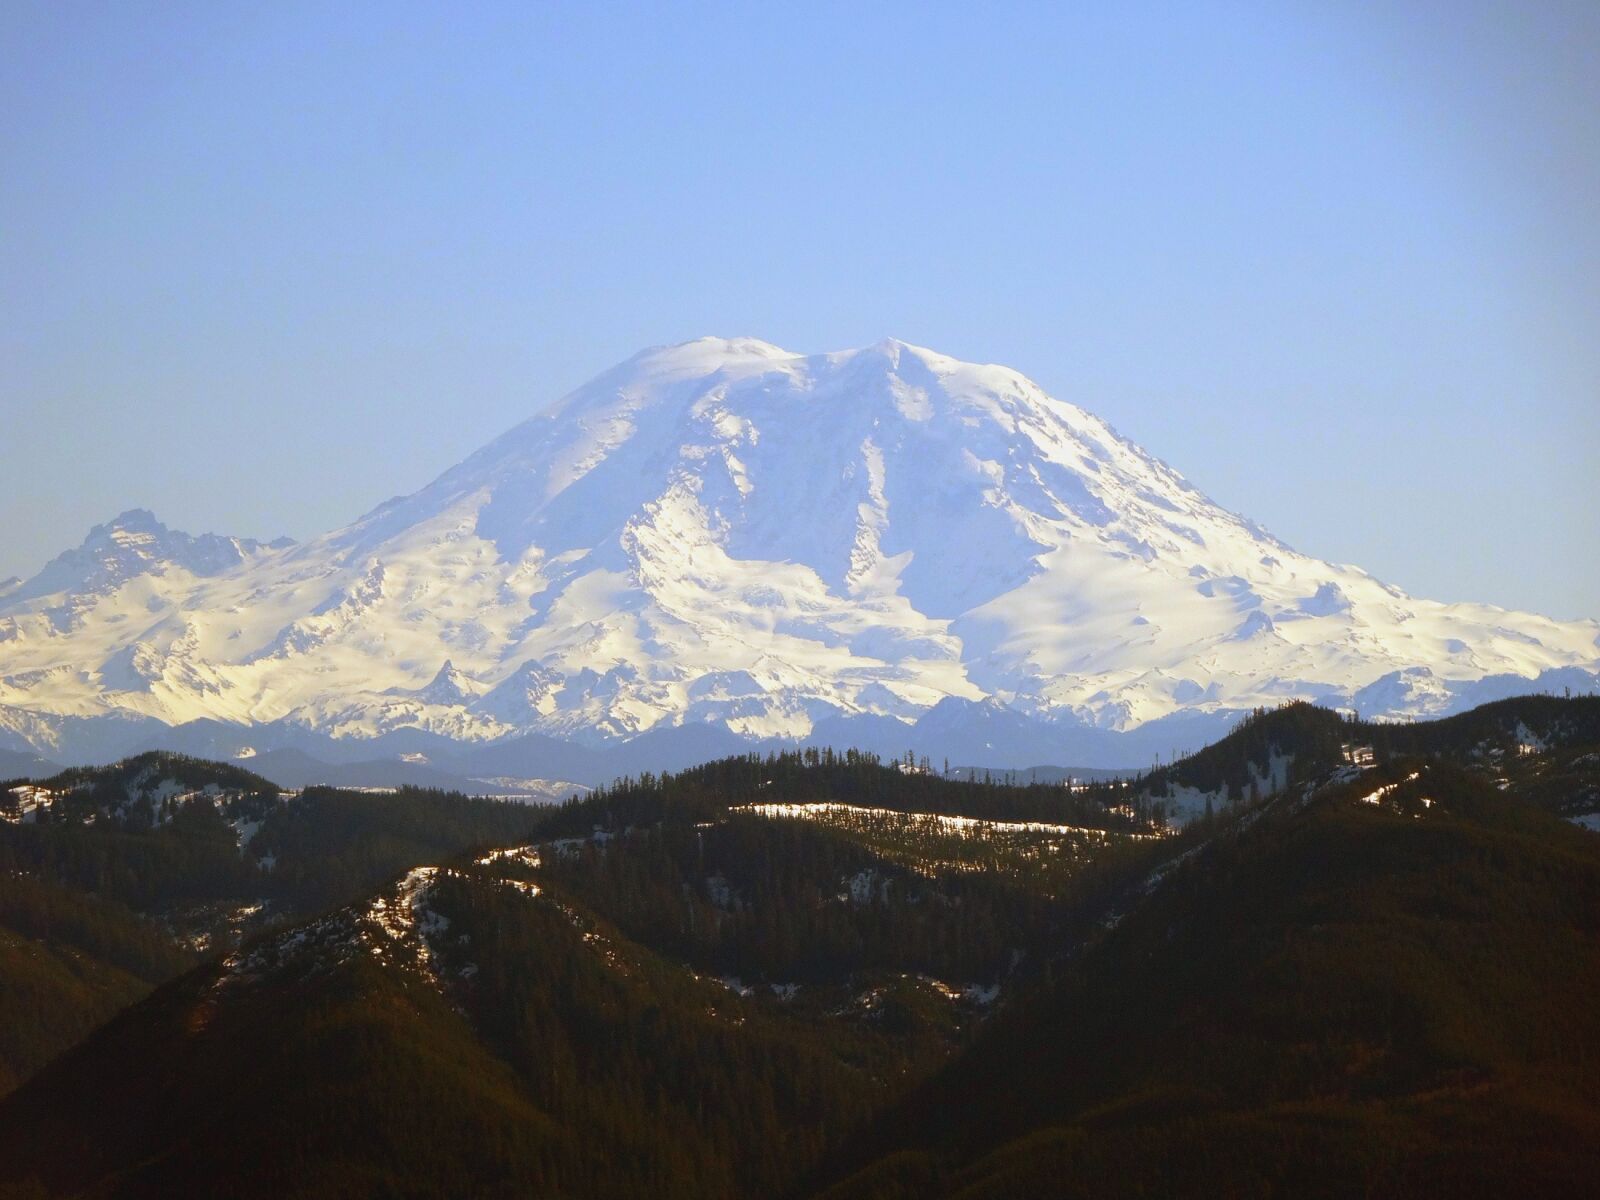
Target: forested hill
(814, 776)
(1297, 744)
(183, 770)
(1383, 987)
(1367, 970)
(666, 989)
(115, 879)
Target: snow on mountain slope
(133, 544)
(726, 532)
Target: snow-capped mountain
(123, 549)
(726, 533)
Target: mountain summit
(726, 532)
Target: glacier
(727, 536)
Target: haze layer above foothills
(877, 547)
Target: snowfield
(724, 532)
(966, 827)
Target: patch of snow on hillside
(407, 920)
(527, 856)
(1376, 797)
(971, 827)
(867, 887)
(244, 830)
(26, 803)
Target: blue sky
(1337, 263)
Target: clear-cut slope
(726, 532)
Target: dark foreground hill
(116, 879)
(1384, 989)
(1369, 971)
(665, 994)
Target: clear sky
(1339, 263)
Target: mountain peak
(133, 543)
(722, 532)
(141, 519)
(893, 348)
(704, 355)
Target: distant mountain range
(720, 545)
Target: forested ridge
(821, 973)
(1383, 999)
